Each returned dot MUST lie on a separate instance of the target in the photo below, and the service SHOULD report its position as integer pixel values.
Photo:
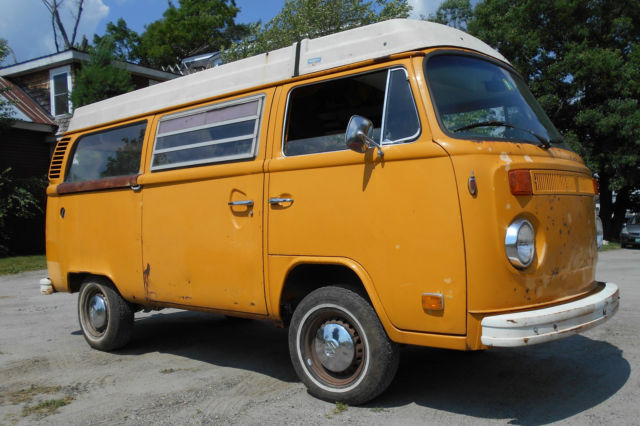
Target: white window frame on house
(53, 73)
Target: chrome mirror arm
(371, 143)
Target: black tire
(116, 325)
(373, 362)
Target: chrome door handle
(241, 203)
(280, 200)
(136, 188)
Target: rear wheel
(339, 348)
(105, 317)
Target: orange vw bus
(390, 184)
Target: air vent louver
(55, 169)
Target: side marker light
(432, 302)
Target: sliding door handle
(241, 203)
(280, 200)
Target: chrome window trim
(413, 137)
(206, 143)
(255, 136)
(207, 126)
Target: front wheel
(105, 317)
(339, 348)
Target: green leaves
(19, 199)
(196, 26)
(102, 77)
(301, 19)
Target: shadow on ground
(246, 344)
(533, 385)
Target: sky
(26, 24)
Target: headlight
(520, 243)
(624, 231)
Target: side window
(318, 114)
(221, 132)
(401, 122)
(60, 90)
(114, 152)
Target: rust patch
(526, 340)
(555, 327)
(145, 279)
(97, 184)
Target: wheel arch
(302, 275)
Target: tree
(455, 13)
(582, 61)
(53, 6)
(196, 26)
(125, 41)
(300, 19)
(102, 77)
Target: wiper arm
(544, 143)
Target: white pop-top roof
(359, 44)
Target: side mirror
(358, 135)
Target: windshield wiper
(544, 143)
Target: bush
(20, 201)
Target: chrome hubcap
(98, 311)
(334, 347)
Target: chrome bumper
(543, 325)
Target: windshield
(478, 99)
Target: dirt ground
(193, 368)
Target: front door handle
(136, 188)
(280, 200)
(241, 203)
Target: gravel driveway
(194, 368)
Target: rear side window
(110, 153)
(318, 114)
(216, 133)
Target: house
(39, 93)
(48, 80)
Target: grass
(26, 395)
(15, 265)
(611, 245)
(46, 408)
(340, 407)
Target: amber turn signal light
(432, 302)
(520, 182)
(596, 186)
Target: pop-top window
(318, 114)
(114, 152)
(222, 132)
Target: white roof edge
(68, 56)
(347, 47)
(57, 59)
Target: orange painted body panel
(405, 224)
(99, 233)
(197, 249)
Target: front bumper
(547, 324)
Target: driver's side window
(318, 114)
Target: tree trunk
(606, 207)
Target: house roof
(24, 108)
(305, 57)
(69, 56)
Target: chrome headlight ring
(520, 243)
